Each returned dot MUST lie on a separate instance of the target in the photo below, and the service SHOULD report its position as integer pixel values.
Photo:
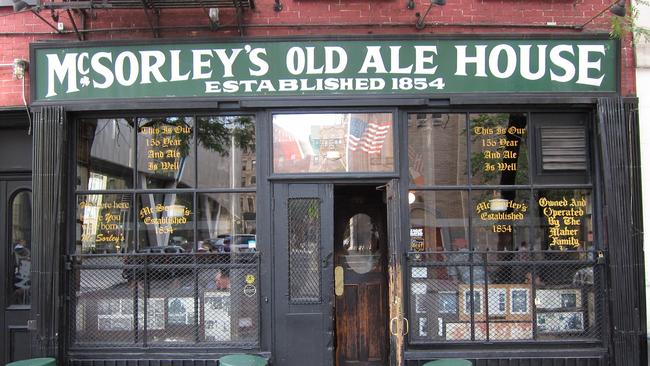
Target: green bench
(241, 360)
(47, 361)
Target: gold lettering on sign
(564, 219)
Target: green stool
(34, 362)
(449, 362)
(241, 360)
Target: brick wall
(314, 17)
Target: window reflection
(330, 143)
(105, 154)
(20, 245)
(437, 149)
(439, 221)
(226, 222)
(226, 151)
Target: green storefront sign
(324, 68)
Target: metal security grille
(171, 300)
(304, 250)
(467, 296)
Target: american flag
(367, 136)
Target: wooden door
(360, 277)
(302, 232)
(15, 264)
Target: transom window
(333, 143)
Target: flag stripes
(368, 137)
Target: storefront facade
(349, 200)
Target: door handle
(339, 281)
(406, 326)
(391, 328)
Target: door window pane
(226, 151)
(20, 246)
(437, 149)
(166, 152)
(304, 250)
(333, 143)
(499, 150)
(361, 244)
(105, 154)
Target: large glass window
(437, 149)
(333, 143)
(166, 241)
(499, 251)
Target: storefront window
(168, 261)
(500, 220)
(105, 223)
(439, 221)
(226, 151)
(105, 154)
(166, 152)
(333, 143)
(437, 149)
(499, 150)
(166, 220)
(489, 262)
(226, 222)
(563, 220)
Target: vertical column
(48, 169)
(619, 146)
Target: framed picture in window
(180, 310)
(519, 301)
(447, 302)
(560, 322)
(474, 305)
(216, 316)
(497, 301)
(558, 299)
(155, 314)
(115, 314)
